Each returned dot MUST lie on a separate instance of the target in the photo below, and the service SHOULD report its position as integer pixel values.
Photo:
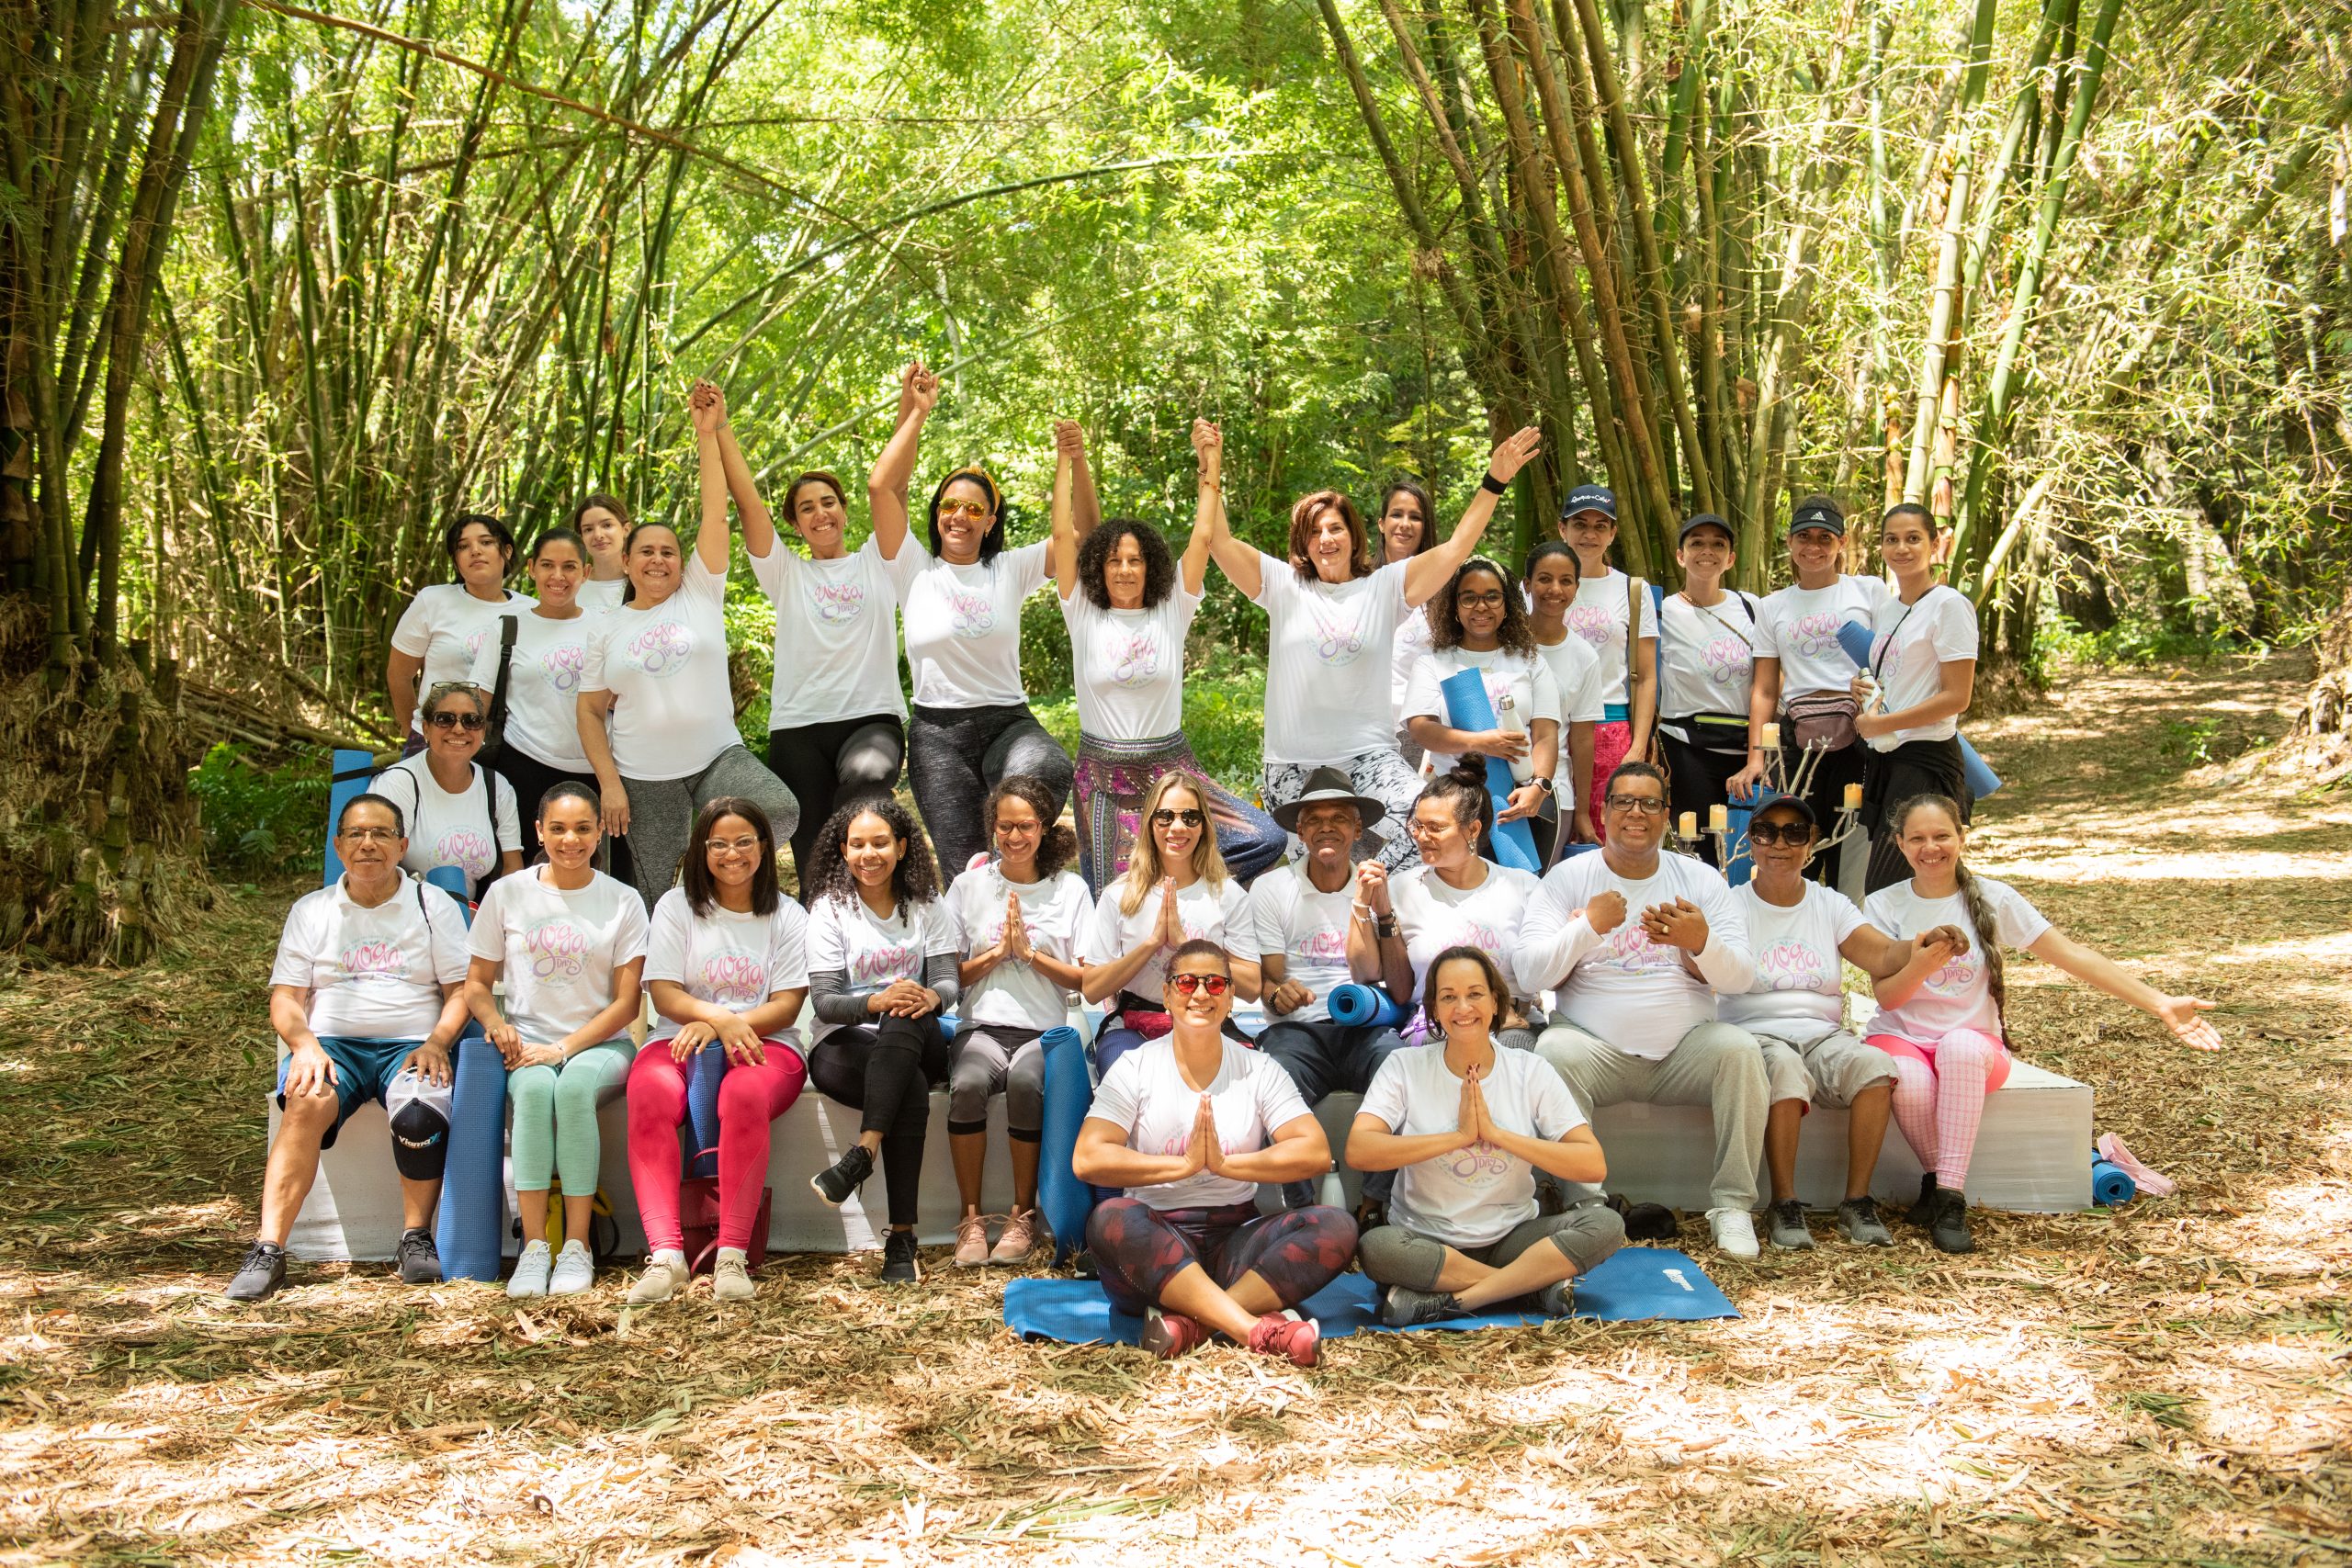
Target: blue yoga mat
(1640, 1283)
(1983, 782)
(339, 795)
(1467, 707)
(2111, 1185)
(1070, 1090)
(1354, 1006)
(702, 1107)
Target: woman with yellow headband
(960, 600)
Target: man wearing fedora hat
(1306, 921)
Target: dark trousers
(828, 766)
(957, 755)
(1323, 1057)
(1826, 796)
(1699, 777)
(885, 1070)
(1141, 1248)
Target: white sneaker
(731, 1279)
(665, 1275)
(1735, 1232)
(530, 1276)
(575, 1270)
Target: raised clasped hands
(1678, 924)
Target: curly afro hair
(1445, 616)
(916, 880)
(1158, 563)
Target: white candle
(1718, 818)
(1688, 825)
(1771, 738)
(1853, 797)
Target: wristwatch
(1383, 925)
(1540, 782)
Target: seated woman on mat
(569, 942)
(882, 963)
(1466, 1128)
(728, 961)
(1190, 1125)
(1176, 890)
(1942, 1015)
(1019, 916)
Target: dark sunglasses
(444, 719)
(1214, 983)
(1791, 833)
(1189, 816)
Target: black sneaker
(420, 1259)
(899, 1265)
(1949, 1230)
(1403, 1307)
(1371, 1215)
(260, 1275)
(1788, 1226)
(1859, 1222)
(843, 1176)
(1084, 1266)
(1923, 1213)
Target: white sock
(668, 1258)
(737, 1252)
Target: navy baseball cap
(1817, 512)
(1590, 497)
(1703, 520)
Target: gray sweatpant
(1715, 1064)
(1391, 1255)
(661, 813)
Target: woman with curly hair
(1480, 622)
(1335, 616)
(1128, 605)
(961, 601)
(882, 968)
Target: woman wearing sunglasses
(1190, 1126)
(460, 813)
(960, 600)
(1176, 890)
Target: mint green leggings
(554, 1116)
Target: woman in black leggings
(883, 955)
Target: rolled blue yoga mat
(1467, 707)
(702, 1107)
(1069, 1089)
(1983, 782)
(2111, 1185)
(339, 793)
(469, 1228)
(1357, 1007)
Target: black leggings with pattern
(1141, 1248)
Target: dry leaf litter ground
(2166, 1383)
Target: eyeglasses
(972, 509)
(1493, 600)
(373, 835)
(1648, 806)
(444, 719)
(1187, 984)
(749, 846)
(1791, 833)
(1008, 829)
(1165, 817)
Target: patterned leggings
(1381, 774)
(1141, 1248)
(1940, 1086)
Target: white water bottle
(1506, 720)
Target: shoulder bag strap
(508, 627)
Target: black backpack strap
(508, 627)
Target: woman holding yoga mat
(445, 625)
(537, 667)
(1128, 605)
(1176, 890)
(1921, 678)
(569, 942)
(1190, 1125)
(458, 812)
(1552, 576)
(1477, 622)
(883, 956)
(728, 961)
(1942, 1015)
(1466, 1128)
(602, 521)
(1334, 616)
(1706, 654)
(1614, 615)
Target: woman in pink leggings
(728, 968)
(1941, 1016)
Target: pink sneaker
(971, 1241)
(1278, 1336)
(2111, 1149)
(1020, 1235)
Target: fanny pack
(1823, 720)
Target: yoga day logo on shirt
(1481, 1165)
(376, 956)
(469, 850)
(974, 613)
(1817, 635)
(837, 603)
(735, 979)
(1133, 658)
(1326, 944)
(473, 644)
(1473, 934)
(1957, 973)
(558, 950)
(1630, 951)
(1338, 635)
(660, 650)
(1791, 966)
(1593, 623)
(883, 965)
(1727, 659)
(561, 666)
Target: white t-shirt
(559, 948)
(444, 625)
(667, 668)
(1799, 628)
(1913, 642)
(844, 934)
(596, 598)
(1289, 915)
(542, 687)
(1526, 676)
(1432, 917)
(1799, 995)
(836, 636)
(1129, 665)
(1327, 649)
(730, 959)
(1414, 638)
(1219, 913)
(1623, 988)
(373, 974)
(1706, 657)
(470, 829)
(1577, 673)
(1474, 1196)
(1598, 616)
(1145, 1095)
(1956, 996)
(1055, 912)
(963, 623)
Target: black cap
(1818, 512)
(1795, 802)
(1590, 497)
(1704, 520)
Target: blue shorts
(364, 1069)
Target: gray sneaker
(1403, 1307)
(1789, 1231)
(1859, 1222)
(260, 1275)
(1557, 1299)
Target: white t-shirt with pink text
(1290, 915)
(1799, 995)
(1959, 994)
(873, 950)
(727, 959)
(558, 948)
(1146, 1097)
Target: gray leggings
(1391, 1255)
(955, 756)
(661, 813)
(988, 1058)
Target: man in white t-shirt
(367, 994)
(1300, 928)
(1636, 946)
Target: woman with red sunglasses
(1190, 1125)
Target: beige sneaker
(665, 1275)
(730, 1281)
(1012, 1247)
(971, 1241)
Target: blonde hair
(1144, 867)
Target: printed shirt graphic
(1288, 915)
(872, 951)
(1598, 616)
(445, 626)
(1912, 644)
(1054, 912)
(1625, 989)
(1706, 657)
(373, 974)
(1146, 1097)
(1470, 1197)
(836, 636)
(542, 686)
(1328, 663)
(1799, 628)
(1799, 993)
(468, 829)
(734, 961)
(1219, 913)
(667, 666)
(1958, 995)
(1129, 665)
(557, 948)
(963, 623)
